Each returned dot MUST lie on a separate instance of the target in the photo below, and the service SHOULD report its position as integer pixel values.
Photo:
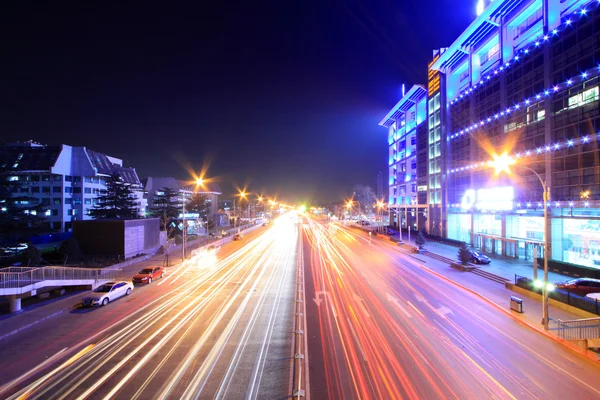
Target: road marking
(30, 325)
(357, 341)
(394, 300)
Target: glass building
(521, 81)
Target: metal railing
(300, 376)
(564, 296)
(579, 329)
(15, 277)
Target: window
(57, 201)
(68, 178)
(45, 178)
(68, 201)
(464, 76)
(528, 23)
(490, 55)
(55, 212)
(56, 189)
(88, 179)
(585, 97)
(88, 201)
(76, 179)
(413, 140)
(413, 188)
(76, 201)
(77, 189)
(68, 189)
(46, 189)
(35, 189)
(87, 190)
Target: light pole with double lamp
(502, 163)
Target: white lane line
(357, 341)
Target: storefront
(575, 234)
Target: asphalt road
(381, 327)
(219, 326)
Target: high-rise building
(520, 83)
(65, 180)
(406, 123)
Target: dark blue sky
(284, 96)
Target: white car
(106, 293)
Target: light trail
(402, 333)
(253, 281)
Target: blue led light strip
(522, 53)
(538, 97)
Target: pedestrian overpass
(19, 282)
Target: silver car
(106, 293)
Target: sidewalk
(505, 267)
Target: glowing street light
(501, 163)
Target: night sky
(282, 96)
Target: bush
(464, 254)
(32, 257)
(420, 240)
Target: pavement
(506, 267)
(386, 323)
(215, 326)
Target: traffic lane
(366, 352)
(25, 350)
(197, 377)
(219, 279)
(469, 321)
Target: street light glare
(501, 163)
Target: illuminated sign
(433, 78)
(493, 199)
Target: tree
(32, 257)
(365, 195)
(464, 254)
(165, 206)
(420, 240)
(20, 213)
(198, 204)
(117, 201)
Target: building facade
(521, 82)
(64, 180)
(407, 133)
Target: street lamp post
(501, 163)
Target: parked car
(593, 296)
(478, 258)
(580, 286)
(390, 231)
(106, 293)
(238, 236)
(147, 275)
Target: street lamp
(502, 163)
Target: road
(217, 327)
(380, 326)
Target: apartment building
(65, 180)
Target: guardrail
(15, 277)
(300, 377)
(579, 329)
(564, 296)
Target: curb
(566, 343)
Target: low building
(65, 180)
